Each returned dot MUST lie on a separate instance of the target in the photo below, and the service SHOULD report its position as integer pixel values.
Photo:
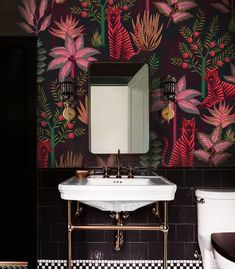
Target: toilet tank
(215, 210)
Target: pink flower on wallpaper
(73, 52)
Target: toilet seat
(224, 244)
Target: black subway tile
(47, 215)
(155, 250)
(228, 178)
(185, 233)
(95, 236)
(139, 251)
(49, 250)
(59, 232)
(211, 178)
(184, 196)
(44, 232)
(189, 250)
(175, 251)
(176, 176)
(193, 178)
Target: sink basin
(118, 194)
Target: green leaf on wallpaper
(155, 83)
(40, 79)
(156, 157)
(176, 61)
(41, 51)
(153, 63)
(40, 71)
(41, 64)
(41, 58)
(186, 32)
(156, 150)
(75, 10)
(155, 164)
(144, 163)
(144, 157)
(199, 22)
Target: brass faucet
(106, 172)
(118, 165)
(130, 172)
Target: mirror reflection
(119, 107)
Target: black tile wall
(182, 238)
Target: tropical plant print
(188, 39)
(153, 157)
(83, 111)
(35, 19)
(176, 10)
(220, 115)
(68, 26)
(147, 32)
(70, 159)
(41, 58)
(201, 52)
(213, 147)
(231, 79)
(227, 7)
(72, 53)
(52, 125)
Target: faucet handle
(106, 171)
(130, 172)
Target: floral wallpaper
(190, 40)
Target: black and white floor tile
(121, 264)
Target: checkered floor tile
(110, 264)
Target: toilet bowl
(224, 249)
(215, 215)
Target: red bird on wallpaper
(182, 153)
(218, 90)
(119, 38)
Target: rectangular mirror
(119, 107)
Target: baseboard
(119, 264)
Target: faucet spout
(118, 165)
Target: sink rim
(153, 193)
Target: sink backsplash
(186, 50)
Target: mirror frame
(89, 104)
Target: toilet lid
(218, 194)
(224, 244)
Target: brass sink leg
(165, 234)
(119, 236)
(69, 237)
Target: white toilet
(216, 215)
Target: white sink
(118, 194)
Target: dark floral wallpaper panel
(188, 39)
